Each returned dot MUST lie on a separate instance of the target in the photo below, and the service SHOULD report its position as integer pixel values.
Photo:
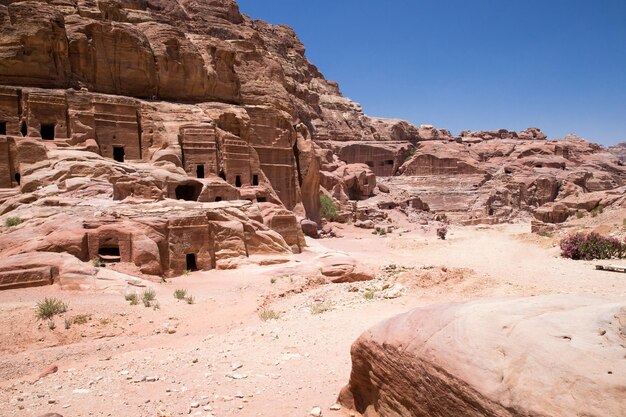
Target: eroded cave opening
(191, 262)
(238, 181)
(188, 192)
(18, 178)
(200, 171)
(109, 254)
(47, 131)
(255, 179)
(118, 153)
(23, 128)
(3, 128)
(222, 175)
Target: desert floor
(217, 357)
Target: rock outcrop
(540, 356)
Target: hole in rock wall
(188, 192)
(218, 198)
(222, 175)
(238, 181)
(191, 262)
(255, 179)
(370, 163)
(389, 162)
(3, 128)
(490, 211)
(118, 153)
(23, 128)
(261, 200)
(109, 254)
(18, 178)
(200, 171)
(47, 131)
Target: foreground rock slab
(539, 356)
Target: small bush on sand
(180, 294)
(319, 308)
(12, 221)
(597, 210)
(190, 300)
(50, 307)
(369, 295)
(81, 318)
(67, 324)
(268, 314)
(51, 324)
(591, 246)
(580, 214)
(329, 210)
(442, 232)
(147, 297)
(97, 262)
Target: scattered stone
(316, 412)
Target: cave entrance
(3, 128)
(222, 175)
(47, 131)
(261, 200)
(18, 178)
(238, 181)
(191, 262)
(200, 171)
(23, 128)
(118, 153)
(187, 192)
(218, 199)
(109, 254)
(255, 179)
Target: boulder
(539, 356)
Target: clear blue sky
(471, 64)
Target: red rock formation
(472, 359)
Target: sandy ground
(216, 357)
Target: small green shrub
(186, 272)
(410, 155)
(81, 318)
(580, 214)
(67, 324)
(97, 262)
(369, 295)
(147, 297)
(268, 314)
(51, 324)
(50, 307)
(597, 210)
(328, 208)
(319, 308)
(180, 294)
(273, 280)
(545, 234)
(190, 300)
(12, 221)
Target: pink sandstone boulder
(541, 356)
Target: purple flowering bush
(592, 246)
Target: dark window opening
(200, 171)
(191, 262)
(255, 180)
(222, 175)
(23, 128)
(490, 211)
(109, 254)
(18, 177)
(261, 200)
(187, 192)
(47, 131)
(370, 163)
(389, 162)
(118, 153)
(238, 181)
(539, 166)
(218, 199)
(3, 128)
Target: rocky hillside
(181, 134)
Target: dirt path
(219, 356)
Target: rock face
(540, 356)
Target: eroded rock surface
(540, 356)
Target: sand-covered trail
(219, 356)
